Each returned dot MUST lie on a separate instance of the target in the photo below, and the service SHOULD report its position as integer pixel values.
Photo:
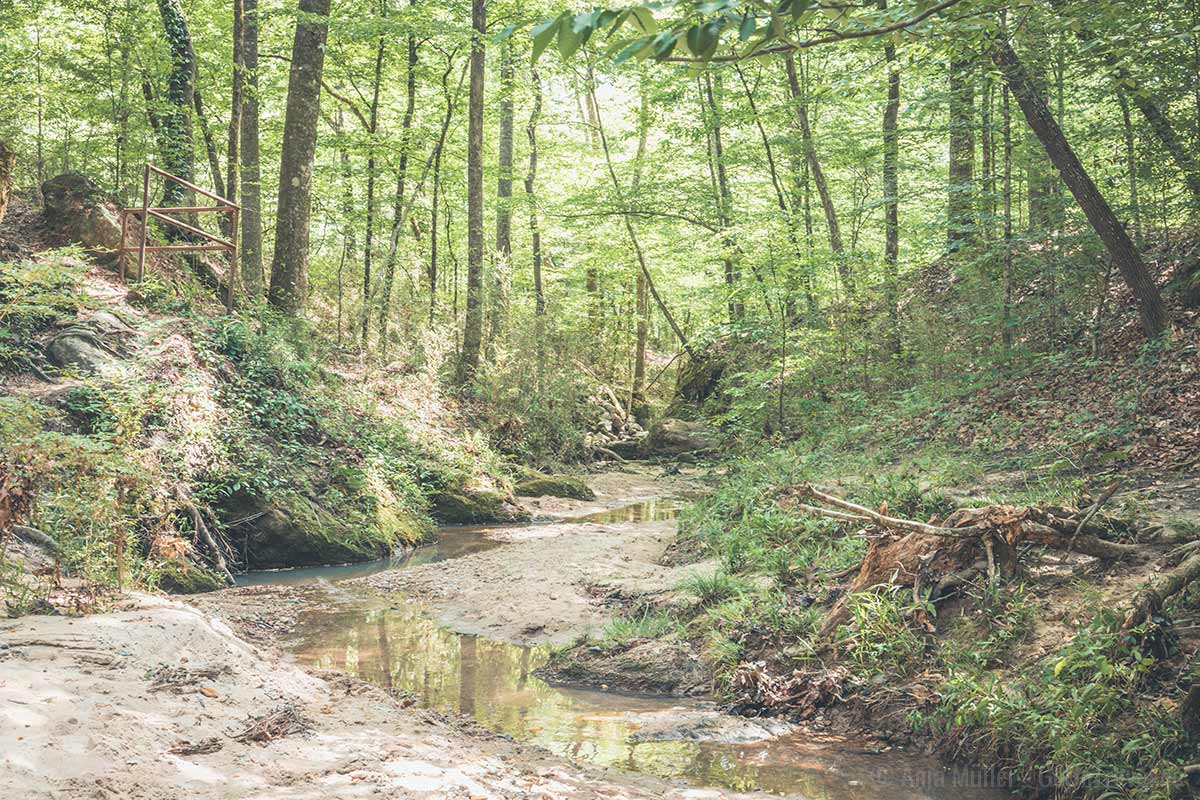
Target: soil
(94, 706)
(549, 583)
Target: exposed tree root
(974, 543)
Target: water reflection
(646, 511)
(397, 646)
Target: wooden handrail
(190, 185)
(163, 214)
(157, 214)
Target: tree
(1151, 310)
(891, 194)
(724, 198)
(504, 188)
(175, 125)
(251, 176)
(468, 362)
(960, 223)
(289, 266)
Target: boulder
(654, 666)
(290, 530)
(76, 210)
(555, 486)
(465, 507)
(78, 350)
(677, 436)
(180, 576)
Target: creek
(395, 644)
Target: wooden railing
(214, 243)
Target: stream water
(396, 645)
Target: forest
(752, 396)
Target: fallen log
(1155, 594)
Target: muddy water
(397, 646)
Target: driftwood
(284, 720)
(1150, 600)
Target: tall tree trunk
(1007, 321)
(1151, 310)
(638, 408)
(1131, 167)
(251, 216)
(535, 233)
(289, 265)
(233, 139)
(504, 189)
(468, 362)
(398, 203)
(988, 146)
(175, 126)
(724, 196)
(633, 239)
(800, 102)
(960, 218)
(591, 276)
(437, 181)
(369, 237)
(891, 195)
(210, 149)
(349, 240)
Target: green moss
(465, 507)
(179, 576)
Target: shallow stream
(396, 645)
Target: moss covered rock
(180, 576)
(291, 530)
(464, 507)
(555, 486)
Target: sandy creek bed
(350, 651)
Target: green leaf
(639, 47)
(747, 28)
(644, 19)
(543, 33)
(504, 34)
(664, 43)
(569, 39)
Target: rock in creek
(677, 436)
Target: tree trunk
(437, 187)
(1007, 331)
(289, 266)
(369, 236)
(637, 247)
(210, 146)
(398, 204)
(638, 408)
(468, 362)
(591, 276)
(800, 102)
(535, 234)
(175, 126)
(987, 144)
(960, 205)
(891, 195)
(251, 216)
(1151, 310)
(233, 140)
(1131, 167)
(349, 241)
(724, 196)
(504, 188)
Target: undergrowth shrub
(34, 295)
(1076, 721)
